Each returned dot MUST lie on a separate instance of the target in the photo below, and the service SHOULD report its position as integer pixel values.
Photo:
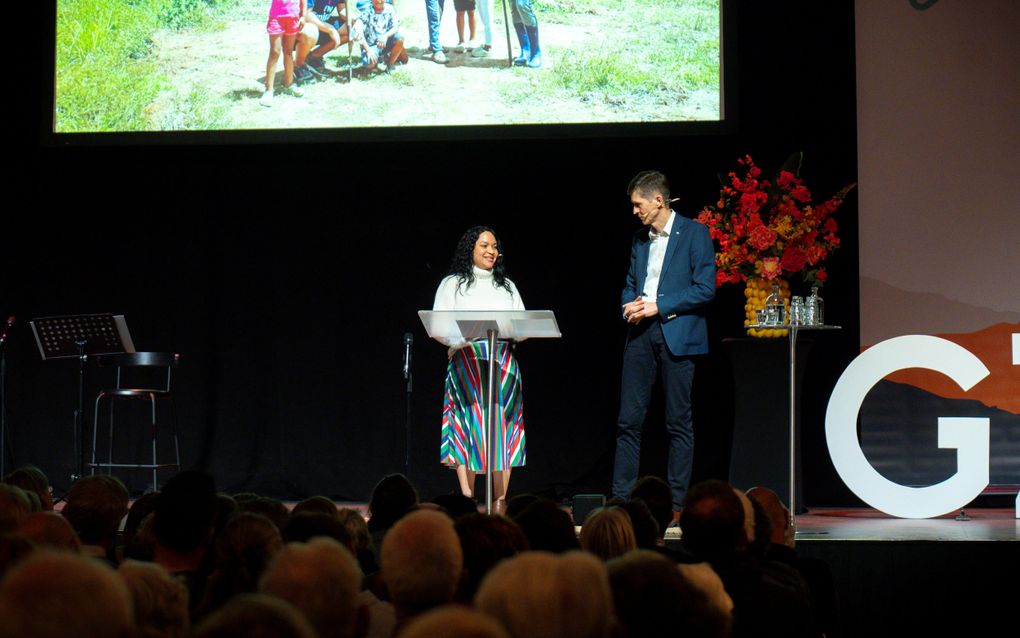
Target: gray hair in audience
(160, 600)
(49, 529)
(322, 580)
(454, 621)
(654, 597)
(421, 561)
(543, 595)
(56, 594)
(255, 616)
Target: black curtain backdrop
(287, 273)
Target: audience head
(49, 529)
(456, 505)
(453, 621)
(14, 507)
(226, 506)
(540, 595)
(243, 550)
(485, 541)
(255, 616)
(392, 497)
(185, 512)
(653, 598)
(271, 508)
(712, 520)
(32, 479)
(782, 532)
(143, 544)
(517, 504)
(547, 527)
(51, 594)
(13, 548)
(657, 495)
(95, 506)
(646, 529)
(421, 562)
(322, 580)
(607, 532)
(703, 578)
(160, 601)
(356, 527)
(762, 530)
(303, 526)
(143, 506)
(360, 537)
(748, 509)
(320, 504)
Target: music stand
(79, 336)
(469, 325)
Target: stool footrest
(145, 466)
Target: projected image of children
(194, 65)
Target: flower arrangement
(769, 229)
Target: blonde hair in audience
(608, 533)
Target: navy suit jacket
(686, 285)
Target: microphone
(408, 342)
(10, 322)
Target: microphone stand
(79, 414)
(3, 402)
(409, 376)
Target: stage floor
(865, 524)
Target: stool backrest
(122, 360)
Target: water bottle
(811, 311)
(816, 308)
(774, 309)
(797, 311)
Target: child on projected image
(382, 46)
(286, 18)
(465, 7)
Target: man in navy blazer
(669, 285)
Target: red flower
(821, 275)
(770, 228)
(794, 259)
(801, 194)
(761, 237)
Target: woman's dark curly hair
(462, 264)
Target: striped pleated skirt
(463, 435)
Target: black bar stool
(150, 360)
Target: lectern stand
(452, 326)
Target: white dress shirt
(656, 257)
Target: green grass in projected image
(169, 65)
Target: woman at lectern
(477, 281)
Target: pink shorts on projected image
(283, 25)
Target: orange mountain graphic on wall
(994, 347)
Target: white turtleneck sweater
(483, 294)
